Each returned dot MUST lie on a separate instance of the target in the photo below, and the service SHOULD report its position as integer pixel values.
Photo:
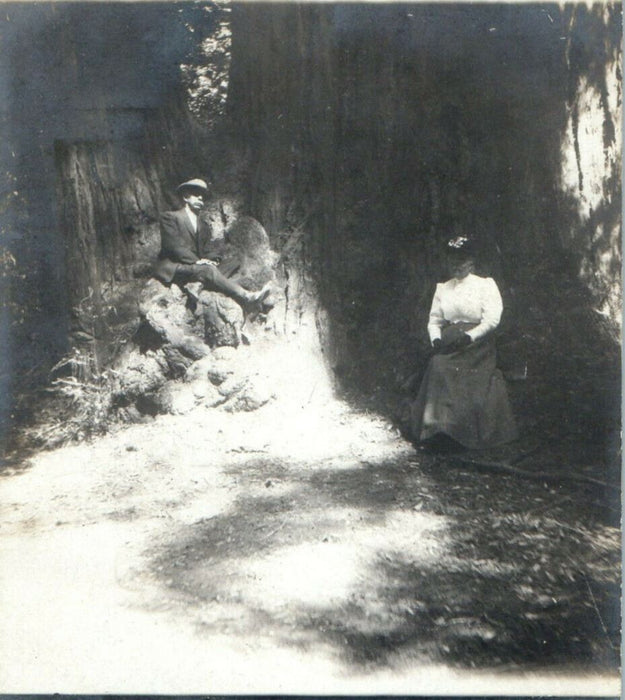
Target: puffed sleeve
(436, 320)
(492, 306)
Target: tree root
(538, 475)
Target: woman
(463, 395)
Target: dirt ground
(303, 548)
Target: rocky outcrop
(246, 241)
(194, 347)
(222, 318)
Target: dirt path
(296, 550)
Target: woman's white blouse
(472, 299)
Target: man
(189, 255)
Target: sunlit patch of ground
(196, 553)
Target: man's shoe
(255, 299)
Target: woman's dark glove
(437, 345)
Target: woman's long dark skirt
(463, 395)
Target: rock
(217, 367)
(223, 319)
(213, 400)
(231, 386)
(176, 361)
(167, 320)
(130, 414)
(180, 398)
(156, 294)
(221, 214)
(251, 242)
(186, 348)
(167, 315)
(200, 387)
(225, 353)
(216, 319)
(139, 373)
(193, 290)
(218, 376)
(206, 393)
(177, 398)
(193, 347)
(250, 397)
(199, 369)
(211, 396)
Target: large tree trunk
(362, 137)
(384, 130)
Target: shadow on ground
(390, 562)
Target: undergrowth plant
(80, 403)
(80, 392)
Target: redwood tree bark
(361, 136)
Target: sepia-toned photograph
(311, 322)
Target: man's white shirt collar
(192, 218)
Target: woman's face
(460, 268)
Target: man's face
(194, 199)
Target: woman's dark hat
(461, 247)
(195, 184)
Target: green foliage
(79, 398)
(79, 403)
(207, 74)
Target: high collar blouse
(472, 299)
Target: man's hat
(195, 184)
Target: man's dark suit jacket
(181, 244)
